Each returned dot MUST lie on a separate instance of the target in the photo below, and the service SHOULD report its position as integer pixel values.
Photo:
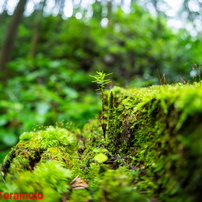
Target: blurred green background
(48, 53)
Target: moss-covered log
(152, 152)
(159, 129)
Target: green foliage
(55, 85)
(100, 80)
(154, 133)
(133, 47)
(42, 96)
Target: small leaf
(100, 158)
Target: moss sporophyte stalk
(101, 82)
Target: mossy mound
(48, 160)
(159, 129)
(39, 163)
(152, 151)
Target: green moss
(41, 146)
(80, 195)
(160, 123)
(50, 178)
(115, 185)
(153, 145)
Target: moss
(153, 145)
(154, 124)
(50, 178)
(80, 195)
(115, 185)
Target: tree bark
(8, 45)
(3, 14)
(109, 16)
(97, 10)
(159, 25)
(35, 37)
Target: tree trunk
(35, 37)
(159, 26)
(3, 14)
(109, 16)
(97, 10)
(8, 45)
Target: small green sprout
(101, 82)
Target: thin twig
(195, 74)
(160, 79)
(183, 80)
(164, 79)
(198, 69)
